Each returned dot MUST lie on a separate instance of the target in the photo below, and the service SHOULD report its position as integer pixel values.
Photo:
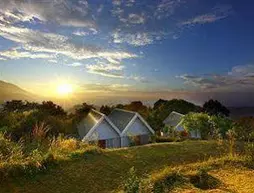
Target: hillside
(106, 171)
(10, 91)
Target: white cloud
(218, 13)
(240, 77)
(136, 19)
(36, 41)
(104, 70)
(16, 54)
(135, 39)
(53, 61)
(105, 87)
(166, 8)
(63, 12)
(116, 2)
(80, 33)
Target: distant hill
(236, 112)
(10, 91)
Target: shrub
(161, 139)
(40, 131)
(203, 180)
(10, 151)
(132, 183)
(168, 182)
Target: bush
(132, 183)
(203, 180)
(10, 152)
(161, 139)
(167, 183)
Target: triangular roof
(123, 119)
(173, 119)
(91, 121)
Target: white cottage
(98, 128)
(175, 119)
(132, 127)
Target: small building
(174, 121)
(134, 129)
(96, 127)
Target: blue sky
(137, 47)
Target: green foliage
(199, 122)
(162, 108)
(203, 180)
(244, 128)
(168, 182)
(221, 125)
(105, 109)
(161, 139)
(36, 153)
(132, 182)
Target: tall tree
(105, 109)
(214, 107)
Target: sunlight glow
(64, 89)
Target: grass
(106, 172)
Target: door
(102, 144)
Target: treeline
(18, 118)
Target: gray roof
(173, 119)
(89, 122)
(121, 118)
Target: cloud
(53, 61)
(218, 13)
(136, 19)
(75, 64)
(62, 12)
(135, 39)
(116, 2)
(36, 41)
(16, 54)
(166, 8)
(105, 87)
(239, 78)
(112, 70)
(2, 58)
(80, 33)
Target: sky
(130, 49)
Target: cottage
(174, 121)
(96, 127)
(133, 128)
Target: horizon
(121, 51)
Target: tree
(221, 125)
(50, 108)
(105, 109)
(214, 107)
(155, 120)
(244, 128)
(83, 109)
(198, 122)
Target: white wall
(105, 131)
(137, 128)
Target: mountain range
(9, 91)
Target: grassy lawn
(105, 172)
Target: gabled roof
(92, 118)
(121, 118)
(173, 119)
(91, 121)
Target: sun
(64, 89)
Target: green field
(106, 172)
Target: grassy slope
(105, 172)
